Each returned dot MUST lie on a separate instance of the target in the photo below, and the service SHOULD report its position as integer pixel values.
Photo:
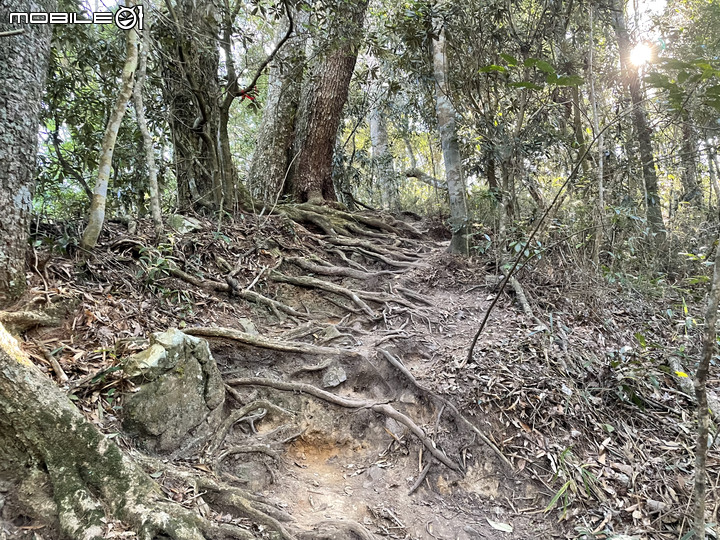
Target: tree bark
(451, 149)
(155, 209)
(382, 158)
(23, 65)
(701, 377)
(274, 149)
(192, 90)
(47, 447)
(97, 206)
(324, 93)
(688, 154)
(642, 130)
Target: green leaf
(542, 65)
(511, 60)
(557, 496)
(641, 340)
(493, 67)
(569, 80)
(658, 80)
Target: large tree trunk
(641, 127)
(97, 206)
(70, 475)
(324, 93)
(23, 64)
(192, 91)
(451, 149)
(273, 151)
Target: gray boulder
(179, 397)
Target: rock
(183, 224)
(248, 326)
(180, 394)
(333, 376)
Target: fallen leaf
(504, 527)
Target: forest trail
(351, 412)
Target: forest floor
(571, 423)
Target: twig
(421, 477)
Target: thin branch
(233, 91)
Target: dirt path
(360, 467)
(344, 358)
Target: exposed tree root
(338, 530)
(414, 296)
(265, 343)
(274, 305)
(251, 296)
(380, 257)
(396, 227)
(20, 321)
(382, 408)
(421, 477)
(336, 271)
(237, 416)
(237, 499)
(398, 254)
(228, 499)
(350, 262)
(383, 298)
(325, 286)
(402, 369)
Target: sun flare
(641, 54)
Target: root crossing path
(345, 410)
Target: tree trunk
(274, 149)
(451, 149)
(641, 128)
(48, 449)
(155, 209)
(382, 158)
(23, 64)
(600, 208)
(192, 90)
(97, 207)
(324, 93)
(691, 189)
(701, 377)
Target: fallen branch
(425, 178)
(18, 322)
